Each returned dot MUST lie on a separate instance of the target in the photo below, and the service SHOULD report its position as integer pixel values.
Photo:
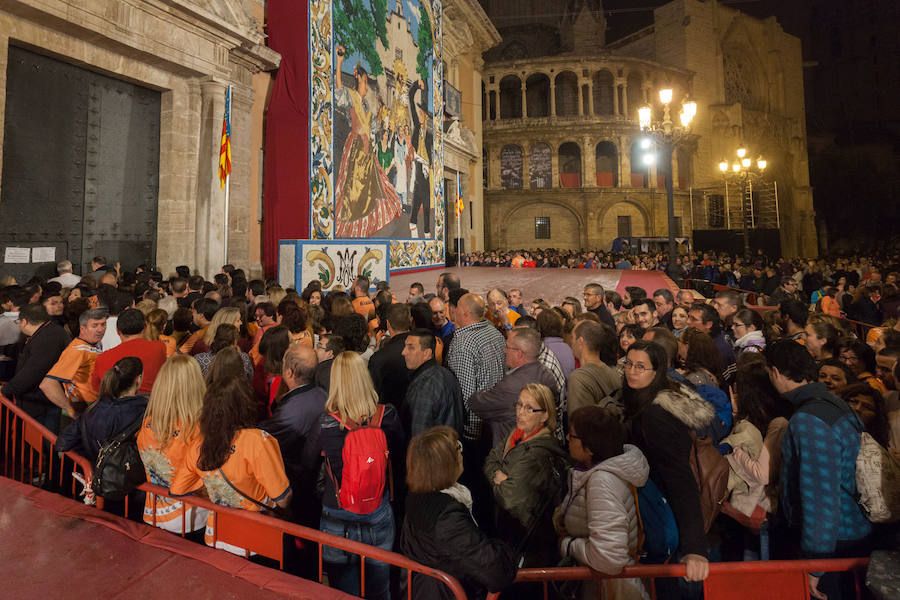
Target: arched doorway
(607, 161)
(622, 219)
(523, 225)
(537, 95)
(640, 169)
(567, 94)
(570, 165)
(510, 97)
(603, 92)
(540, 166)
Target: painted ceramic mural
(376, 161)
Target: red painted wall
(286, 183)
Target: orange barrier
(750, 580)
(22, 440)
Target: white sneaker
(413, 232)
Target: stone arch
(640, 171)
(540, 166)
(511, 97)
(570, 174)
(606, 159)
(566, 94)
(604, 88)
(537, 95)
(511, 167)
(566, 225)
(609, 220)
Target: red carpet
(54, 547)
(550, 284)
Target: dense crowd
(476, 431)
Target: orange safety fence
(24, 442)
(751, 580)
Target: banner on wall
(376, 115)
(334, 263)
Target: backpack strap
(637, 510)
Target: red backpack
(366, 459)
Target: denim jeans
(374, 529)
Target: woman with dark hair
(862, 307)
(239, 465)
(181, 325)
(296, 319)
(312, 295)
(820, 337)
(679, 320)
(267, 373)
(660, 416)
(118, 407)
(598, 521)
(226, 337)
(628, 335)
(700, 361)
(860, 358)
(438, 528)
(869, 406)
(748, 326)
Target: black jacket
(602, 312)
(291, 421)
(323, 374)
(389, 373)
(40, 353)
(440, 532)
(105, 419)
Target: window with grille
(624, 222)
(542, 228)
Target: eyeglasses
(736, 325)
(636, 366)
(321, 347)
(527, 409)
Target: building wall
(190, 54)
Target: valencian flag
(459, 199)
(225, 148)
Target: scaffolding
(722, 206)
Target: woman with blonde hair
(352, 507)
(527, 473)
(224, 316)
(153, 331)
(170, 424)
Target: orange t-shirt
(254, 466)
(188, 344)
(171, 345)
(161, 465)
(74, 368)
(511, 316)
(303, 337)
(364, 306)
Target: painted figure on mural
(365, 200)
(383, 127)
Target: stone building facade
(562, 147)
(467, 34)
(189, 51)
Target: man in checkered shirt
(476, 356)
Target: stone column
(209, 234)
(524, 101)
(590, 86)
(615, 90)
(552, 97)
(625, 108)
(589, 163)
(242, 153)
(624, 163)
(554, 163)
(580, 99)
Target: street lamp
(667, 135)
(744, 171)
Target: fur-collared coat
(662, 430)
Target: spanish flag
(460, 205)
(225, 148)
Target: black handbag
(119, 469)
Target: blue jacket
(818, 472)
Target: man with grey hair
(496, 405)
(68, 383)
(66, 277)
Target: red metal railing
(750, 580)
(22, 441)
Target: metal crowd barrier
(752, 580)
(23, 452)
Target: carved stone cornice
(483, 33)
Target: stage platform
(550, 284)
(54, 547)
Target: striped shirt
(477, 358)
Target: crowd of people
(475, 431)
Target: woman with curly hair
(239, 465)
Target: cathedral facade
(565, 163)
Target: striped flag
(460, 205)
(225, 148)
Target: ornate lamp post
(667, 135)
(746, 172)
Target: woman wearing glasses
(526, 474)
(438, 528)
(660, 416)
